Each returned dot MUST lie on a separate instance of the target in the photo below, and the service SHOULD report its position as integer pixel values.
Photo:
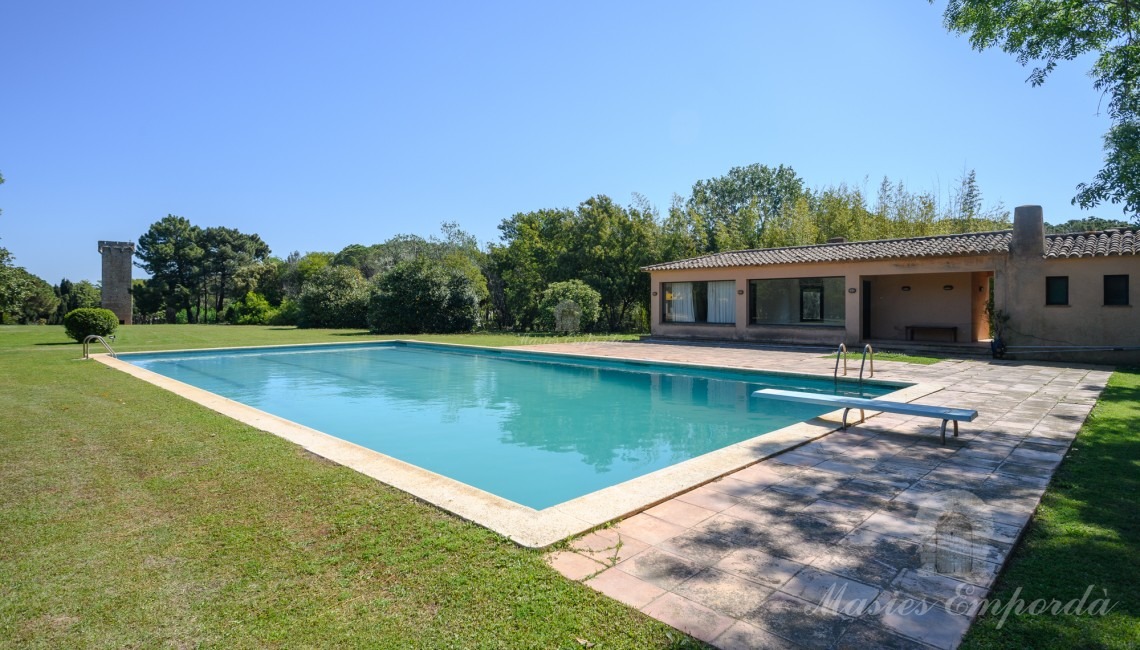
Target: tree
(75, 296)
(1085, 225)
(533, 243)
(609, 245)
(13, 286)
(735, 208)
(149, 298)
(225, 251)
(334, 296)
(170, 253)
(423, 296)
(1047, 32)
(40, 302)
(601, 243)
(298, 269)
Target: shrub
(554, 303)
(286, 314)
(421, 296)
(253, 309)
(335, 296)
(85, 321)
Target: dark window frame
(815, 283)
(700, 302)
(1052, 284)
(817, 289)
(1116, 290)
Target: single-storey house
(1071, 295)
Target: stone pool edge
(523, 525)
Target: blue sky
(317, 125)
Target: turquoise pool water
(535, 429)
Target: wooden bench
(952, 330)
(863, 404)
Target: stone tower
(117, 257)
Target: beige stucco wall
(925, 303)
(853, 272)
(1086, 320)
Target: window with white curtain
(722, 301)
(699, 302)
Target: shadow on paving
(1086, 534)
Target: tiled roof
(975, 243)
(1090, 244)
(1086, 244)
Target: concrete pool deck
(877, 536)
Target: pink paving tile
(689, 617)
(647, 528)
(607, 546)
(660, 567)
(572, 565)
(736, 488)
(920, 621)
(743, 636)
(621, 586)
(707, 497)
(759, 474)
(680, 513)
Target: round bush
(335, 296)
(583, 296)
(85, 321)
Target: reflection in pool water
(535, 429)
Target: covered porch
(925, 308)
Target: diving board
(943, 413)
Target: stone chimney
(1028, 232)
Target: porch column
(853, 308)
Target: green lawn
(1086, 532)
(889, 356)
(132, 518)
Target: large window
(797, 301)
(699, 302)
(1116, 289)
(1057, 290)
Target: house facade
(1066, 296)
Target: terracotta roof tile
(977, 243)
(1090, 244)
(1086, 244)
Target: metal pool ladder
(868, 351)
(95, 337)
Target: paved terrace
(877, 536)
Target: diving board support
(862, 416)
(946, 414)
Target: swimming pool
(535, 429)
